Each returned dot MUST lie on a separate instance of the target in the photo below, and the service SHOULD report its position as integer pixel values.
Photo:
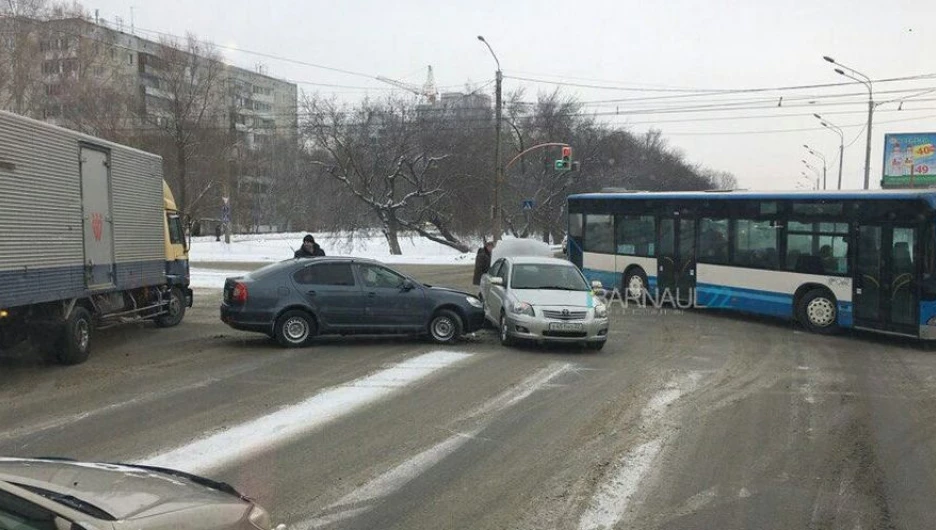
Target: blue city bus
(829, 260)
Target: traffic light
(565, 164)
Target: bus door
(886, 288)
(676, 263)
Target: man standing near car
(309, 248)
(482, 262)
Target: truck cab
(177, 259)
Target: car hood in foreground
(122, 491)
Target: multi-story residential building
(95, 76)
(256, 105)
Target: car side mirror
(408, 285)
(596, 285)
(497, 280)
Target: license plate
(565, 326)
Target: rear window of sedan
(271, 269)
(325, 274)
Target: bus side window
(756, 244)
(635, 235)
(713, 241)
(599, 234)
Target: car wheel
(176, 310)
(74, 346)
(445, 327)
(294, 329)
(505, 338)
(817, 311)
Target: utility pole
(866, 81)
(497, 213)
(867, 174)
(499, 174)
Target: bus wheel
(634, 284)
(818, 311)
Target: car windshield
(547, 276)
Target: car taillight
(240, 293)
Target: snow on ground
(276, 247)
(212, 279)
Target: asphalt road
(687, 420)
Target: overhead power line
(697, 91)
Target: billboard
(909, 160)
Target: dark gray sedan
(297, 299)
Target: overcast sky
(646, 45)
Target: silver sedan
(52, 494)
(543, 300)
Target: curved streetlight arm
(814, 153)
(834, 129)
(481, 38)
(866, 81)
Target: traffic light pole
(534, 148)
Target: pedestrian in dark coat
(309, 248)
(482, 262)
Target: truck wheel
(176, 309)
(75, 342)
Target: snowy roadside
(267, 248)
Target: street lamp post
(825, 165)
(816, 185)
(866, 81)
(814, 170)
(841, 134)
(496, 222)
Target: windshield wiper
(68, 500)
(559, 288)
(223, 487)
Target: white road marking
(362, 499)
(263, 433)
(148, 398)
(611, 500)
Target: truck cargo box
(78, 215)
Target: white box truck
(89, 238)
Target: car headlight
(601, 311)
(260, 518)
(473, 302)
(522, 308)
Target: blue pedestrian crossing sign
(528, 204)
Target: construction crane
(428, 90)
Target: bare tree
(373, 151)
(183, 118)
(21, 40)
